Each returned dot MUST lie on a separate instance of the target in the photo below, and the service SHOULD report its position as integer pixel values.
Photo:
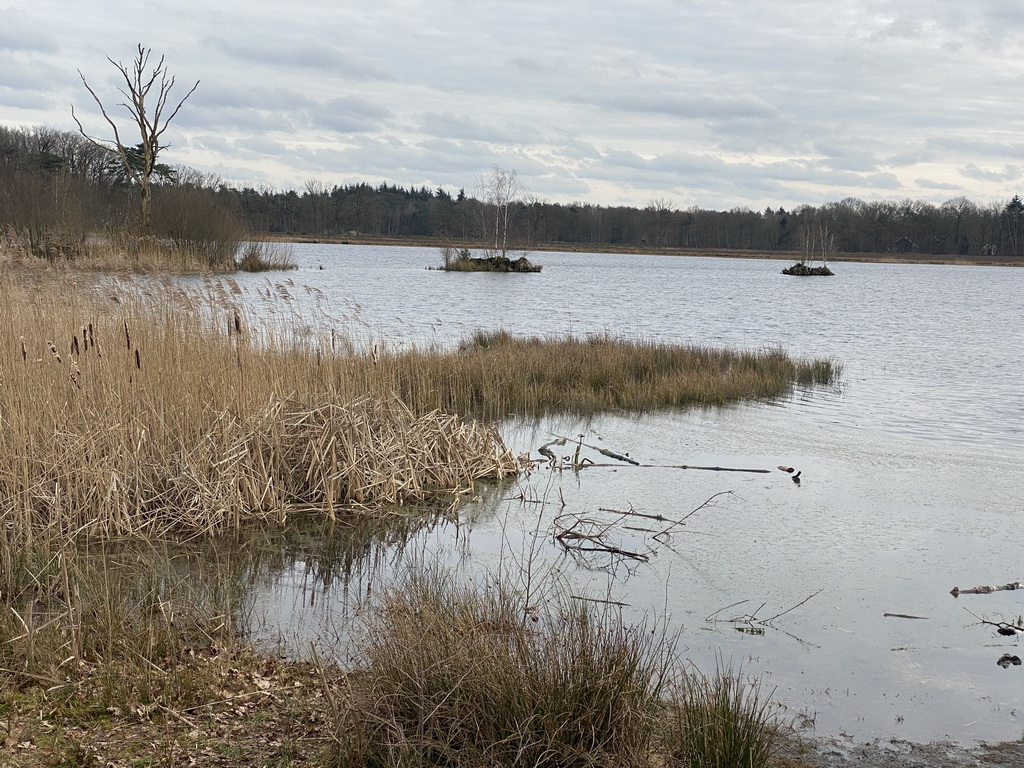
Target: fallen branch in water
(575, 462)
(751, 625)
(1002, 627)
(691, 513)
(603, 451)
(984, 590)
(587, 535)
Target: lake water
(911, 473)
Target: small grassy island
(462, 260)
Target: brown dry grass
(513, 672)
(496, 375)
(142, 412)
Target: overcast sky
(717, 104)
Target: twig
(634, 513)
(691, 513)
(597, 600)
(773, 618)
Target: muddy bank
(897, 753)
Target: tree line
(56, 181)
(957, 227)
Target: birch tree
(500, 193)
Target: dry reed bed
(497, 375)
(128, 414)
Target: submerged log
(802, 270)
(985, 590)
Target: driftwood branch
(596, 600)
(985, 590)
(603, 451)
(587, 535)
(751, 625)
(575, 462)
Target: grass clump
(722, 721)
(456, 675)
(459, 676)
(263, 256)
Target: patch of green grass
(722, 721)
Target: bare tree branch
(138, 84)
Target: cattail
(74, 345)
(92, 338)
(127, 336)
(238, 322)
(53, 349)
(24, 352)
(138, 361)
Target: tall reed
(152, 410)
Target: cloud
(938, 185)
(349, 114)
(21, 32)
(307, 54)
(689, 107)
(1006, 173)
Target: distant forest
(72, 179)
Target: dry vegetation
(515, 673)
(138, 411)
(130, 414)
(497, 375)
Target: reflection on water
(910, 475)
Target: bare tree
(499, 193)
(149, 113)
(817, 241)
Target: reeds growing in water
(145, 415)
(151, 409)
